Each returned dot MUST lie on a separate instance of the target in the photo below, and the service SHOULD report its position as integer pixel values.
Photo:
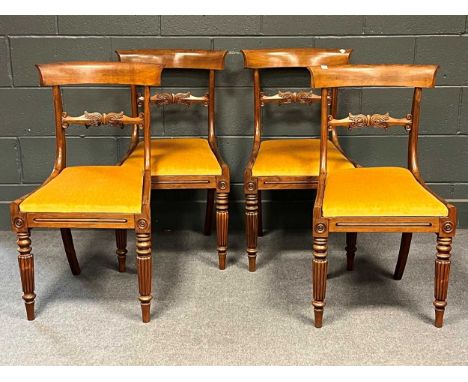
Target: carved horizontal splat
(305, 97)
(176, 98)
(374, 120)
(98, 119)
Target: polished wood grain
(222, 220)
(144, 270)
(26, 266)
(411, 76)
(442, 271)
(176, 58)
(251, 212)
(319, 277)
(92, 73)
(419, 76)
(87, 72)
(294, 57)
(211, 61)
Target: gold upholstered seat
(177, 156)
(295, 157)
(378, 191)
(89, 189)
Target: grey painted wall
(26, 123)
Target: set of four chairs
(350, 198)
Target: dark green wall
(26, 123)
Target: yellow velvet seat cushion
(177, 156)
(378, 191)
(296, 157)
(89, 189)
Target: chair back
(133, 74)
(211, 60)
(260, 59)
(408, 76)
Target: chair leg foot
(251, 215)
(26, 268)
(210, 200)
(144, 270)
(403, 255)
(67, 240)
(442, 271)
(145, 312)
(351, 238)
(319, 278)
(121, 241)
(222, 220)
(30, 310)
(222, 261)
(252, 263)
(318, 316)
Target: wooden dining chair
(91, 196)
(187, 163)
(377, 199)
(285, 164)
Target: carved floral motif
(98, 119)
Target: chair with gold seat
(285, 164)
(187, 163)
(379, 199)
(111, 197)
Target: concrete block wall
(27, 129)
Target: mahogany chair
(187, 163)
(378, 199)
(285, 164)
(112, 197)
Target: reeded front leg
(67, 239)
(251, 214)
(319, 277)
(121, 240)
(144, 270)
(222, 217)
(402, 255)
(442, 270)
(209, 211)
(351, 238)
(26, 268)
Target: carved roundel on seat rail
(250, 186)
(142, 224)
(447, 227)
(18, 222)
(320, 228)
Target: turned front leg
(121, 241)
(144, 270)
(319, 278)
(251, 216)
(26, 268)
(222, 218)
(442, 270)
